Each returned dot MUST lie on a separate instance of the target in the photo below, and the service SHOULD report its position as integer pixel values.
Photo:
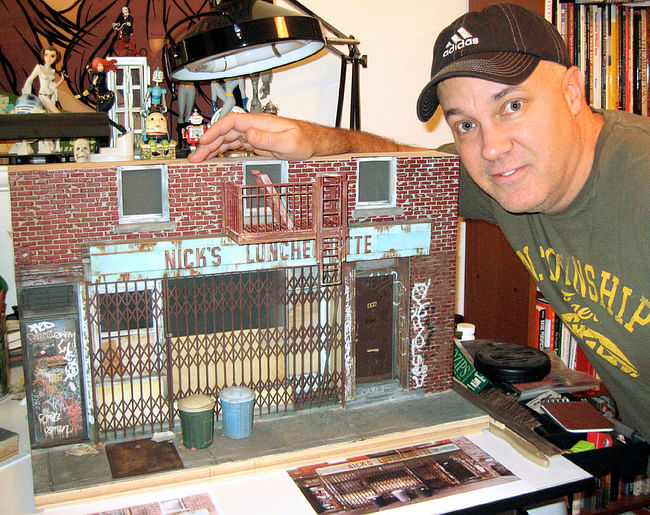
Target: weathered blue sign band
(211, 255)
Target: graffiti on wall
(419, 317)
(57, 406)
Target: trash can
(197, 420)
(237, 411)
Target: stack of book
(554, 335)
(607, 41)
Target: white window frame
(130, 110)
(392, 187)
(163, 216)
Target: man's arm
(285, 138)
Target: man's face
(125, 11)
(518, 143)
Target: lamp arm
(311, 13)
(354, 57)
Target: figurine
(156, 143)
(28, 104)
(264, 91)
(155, 127)
(193, 132)
(186, 98)
(156, 94)
(105, 97)
(81, 150)
(256, 105)
(124, 28)
(48, 83)
(5, 106)
(226, 94)
(31, 104)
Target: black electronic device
(511, 363)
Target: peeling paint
(419, 317)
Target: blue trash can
(237, 411)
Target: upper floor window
(376, 180)
(276, 170)
(143, 194)
(257, 206)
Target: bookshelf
(607, 41)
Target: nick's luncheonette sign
(220, 254)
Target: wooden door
(374, 315)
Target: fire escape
(267, 212)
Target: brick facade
(59, 209)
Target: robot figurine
(193, 132)
(155, 97)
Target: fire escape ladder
(330, 209)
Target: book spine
(629, 35)
(541, 326)
(571, 33)
(642, 69)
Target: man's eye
(513, 106)
(465, 126)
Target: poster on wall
(53, 383)
(369, 483)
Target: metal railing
(153, 342)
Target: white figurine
(81, 150)
(48, 82)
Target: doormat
(139, 457)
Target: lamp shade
(241, 37)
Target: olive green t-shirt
(590, 261)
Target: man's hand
(264, 134)
(284, 138)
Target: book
(8, 443)
(577, 416)
(541, 325)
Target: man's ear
(573, 84)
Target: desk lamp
(244, 37)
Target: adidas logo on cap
(460, 39)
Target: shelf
(54, 125)
(627, 503)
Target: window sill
(144, 227)
(377, 211)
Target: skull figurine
(81, 149)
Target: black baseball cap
(502, 43)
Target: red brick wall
(56, 210)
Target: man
(568, 185)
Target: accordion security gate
(153, 342)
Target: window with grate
(277, 172)
(225, 302)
